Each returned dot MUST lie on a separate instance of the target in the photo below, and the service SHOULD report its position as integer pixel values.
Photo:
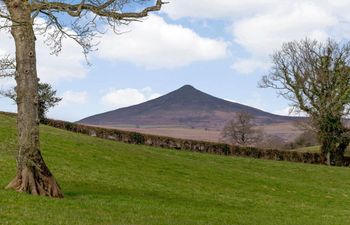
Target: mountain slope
(185, 107)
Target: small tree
(315, 78)
(241, 131)
(47, 98)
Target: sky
(220, 47)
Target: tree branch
(102, 10)
(7, 66)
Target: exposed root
(33, 182)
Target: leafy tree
(315, 78)
(84, 18)
(241, 131)
(47, 98)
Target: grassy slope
(316, 149)
(114, 183)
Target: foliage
(315, 78)
(47, 98)
(137, 138)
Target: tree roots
(31, 181)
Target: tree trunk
(325, 155)
(333, 150)
(33, 176)
(339, 152)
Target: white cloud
(68, 65)
(261, 26)
(216, 9)
(117, 98)
(156, 44)
(74, 97)
(263, 34)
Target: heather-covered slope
(185, 107)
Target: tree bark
(33, 176)
(326, 151)
(333, 150)
(339, 152)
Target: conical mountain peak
(186, 106)
(187, 87)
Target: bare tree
(241, 130)
(308, 137)
(315, 78)
(272, 142)
(84, 19)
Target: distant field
(106, 182)
(178, 132)
(287, 131)
(308, 149)
(317, 149)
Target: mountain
(185, 107)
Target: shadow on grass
(110, 193)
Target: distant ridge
(184, 107)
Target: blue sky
(221, 48)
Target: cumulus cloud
(156, 44)
(117, 98)
(74, 97)
(261, 35)
(216, 9)
(261, 26)
(68, 65)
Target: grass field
(113, 183)
(315, 149)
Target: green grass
(317, 149)
(106, 182)
(312, 149)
